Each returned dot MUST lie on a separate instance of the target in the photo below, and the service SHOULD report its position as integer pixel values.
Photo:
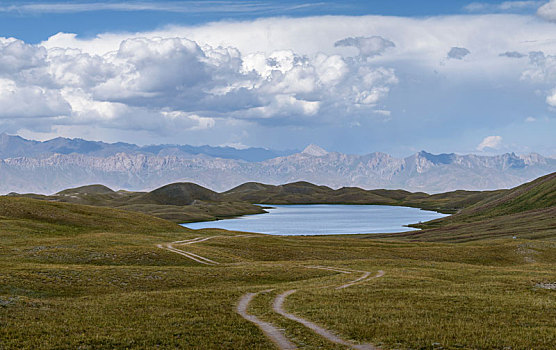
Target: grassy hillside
(537, 194)
(90, 189)
(179, 194)
(526, 211)
(78, 217)
(188, 202)
(74, 276)
(180, 202)
(307, 193)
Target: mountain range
(50, 166)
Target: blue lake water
(324, 219)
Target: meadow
(83, 277)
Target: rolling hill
(82, 276)
(526, 211)
(186, 202)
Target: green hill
(78, 217)
(526, 211)
(186, 202)
(89, 189)
(182, 193)
(537, 194)
(74, 276)
(307, 193)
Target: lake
(324, 219)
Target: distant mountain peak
(314, 150)
(442, 158)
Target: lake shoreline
(324, 219)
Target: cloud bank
(372, 78)
(164, 83)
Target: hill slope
(526, 211)
(537, 194)
(78, 218)
(307, 193)
(184, 193)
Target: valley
(75, 275)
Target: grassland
(74, 276)
(187, 202)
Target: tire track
(271, 331)
(195, 257)
(278, 307)
(268, 329)
(366, 276)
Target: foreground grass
(79, 281)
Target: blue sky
(354, 76)
(34, 21)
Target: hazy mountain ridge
(16, 146)
(128, 166)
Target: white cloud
(551, 99)
(282, 71)
(416, 39)
(383, 112)
(492, 142)
(530, 119)
(541, 68)
(15, 55)
(548, 11)
(167, 83)
(30, 101)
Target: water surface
(324, 219)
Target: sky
(353, 77)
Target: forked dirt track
(271, 331)
(268, 329)
(192, 256)
(278, 307)
(195, 257)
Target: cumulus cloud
(548, 11)
(551, 98)
(541, 68)
(458, 53)
(367, 46)
(30, 101)
(166, 84)
(288, 71)
(325, 86)
(492, 142)
(15, 55)
(65, 86)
